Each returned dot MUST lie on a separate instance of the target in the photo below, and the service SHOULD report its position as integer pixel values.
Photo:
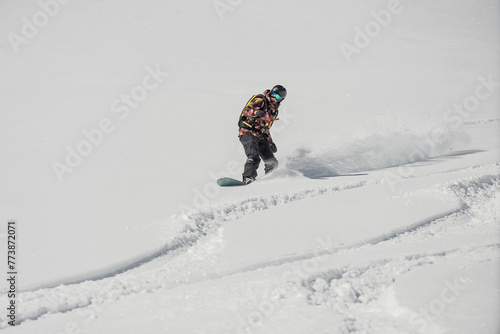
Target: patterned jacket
(258, 116)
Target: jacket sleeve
(268, 137)
(256, 103)
(252, 114)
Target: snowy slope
(383, 217)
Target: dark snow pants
(255, 149)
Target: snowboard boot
(270, 165)
(248, 179)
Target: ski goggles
(277, 97)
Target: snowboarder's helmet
(278, 92)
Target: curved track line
(198, 224)
(202, 223)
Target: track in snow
(166, 267)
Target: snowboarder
(255, 121)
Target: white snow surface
(383, 216)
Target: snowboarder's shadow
(323, 167)
(322, 174)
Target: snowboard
(229, 182)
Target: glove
(273, 147)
